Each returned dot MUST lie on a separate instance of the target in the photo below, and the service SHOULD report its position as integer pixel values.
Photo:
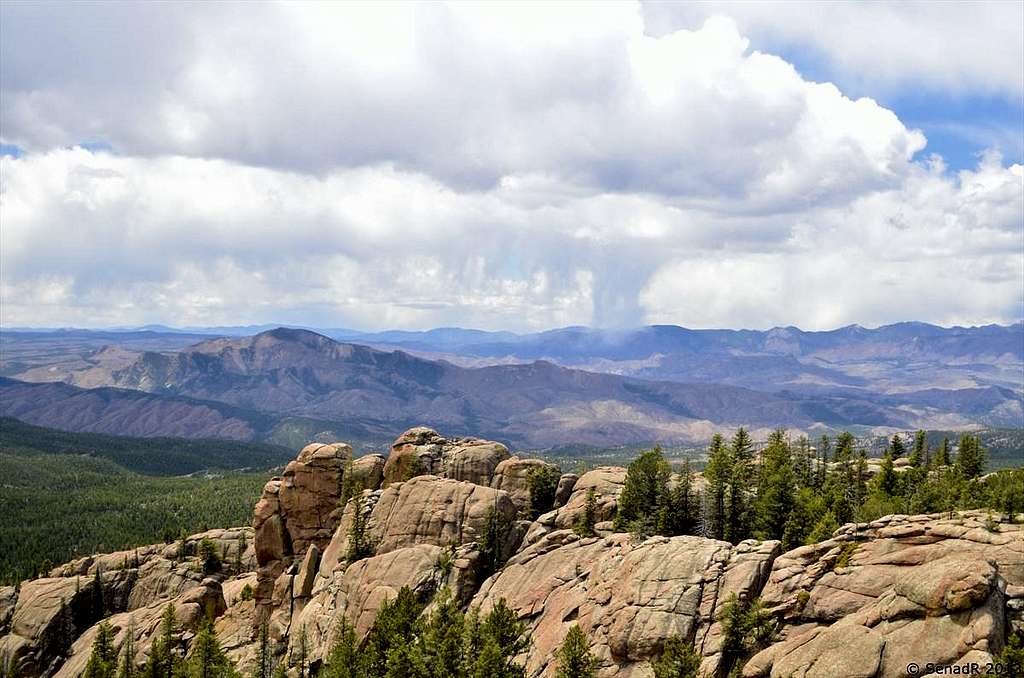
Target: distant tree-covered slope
(57, 507)
(153, 456)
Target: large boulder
(513, 476)
(628, 597)
(901, 589)
(368, 471)
(426, 510)
(423, 450)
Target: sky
(511, 166)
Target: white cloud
(960, 47)
(422, 165)
(466, 93)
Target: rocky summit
(333, 538)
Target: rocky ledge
(867, 602)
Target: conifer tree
(207, 659)
(716, 473)
(542, 482)
(575, 660)
(208, 557)
(738, 523)
(442, 637)
(103, 660)
(503, 637)
(585, 523)
(99, 605)
(970, 457)
(65, 629)
(344, 659)
(127, 662)
(942, 456)
(359, 546)
(164, 661)
(896, 447)
(886, 482)
(644, 490)
(919, 455)
(680, 508)
(263, 668)
(677, 660)
(776, 488)
(396, 623)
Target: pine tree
(493, 540)
(942, 456)
(886, 482)
(208, 557)
(896, 447)
(677, 660)
(716, 473)
(644, 490)
(127, 662)
(103, 660)
(679, 511)
(263, 668)
(99, 605)
(442, 637)
(584, 526)
(807, 510)
(396, 623)
(738, 522)
(776, 488)
(65, 630)
(164, 661)
(970, 457)
(344, 660)
(575, 660)
(502, 637)
(542, 482)
(919, 457)
(359, 546)
(207, 659)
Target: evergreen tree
(896, 447)
(164, 661)
(585, 524)
(803, 462)
(103, 660)
(677, 660)
(65, 630)
(738, 518)
(860, 475)
(716, 473)
(970, 457)
(824, 528)
(359, 546)
(492, 541)
(127, 662)
(207, 659)
(442, 637)
(746, 628)
(775, 493)
(542, 482)
(886, 482)
(574, 658)
(99, 605)
(503, 637)
(396, 623)
(942, 456)
(807, 510)
(263, 668)
(644, 491)
(208, 557)
(919, 457)
(845, 443)
(344, 660)
(680, 508)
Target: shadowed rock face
(866, 602)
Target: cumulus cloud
(962, 47)
(422, 165)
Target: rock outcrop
(866, 602)
(627, 597)
(902, 589)
(423, 450)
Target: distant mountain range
(657, 383)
